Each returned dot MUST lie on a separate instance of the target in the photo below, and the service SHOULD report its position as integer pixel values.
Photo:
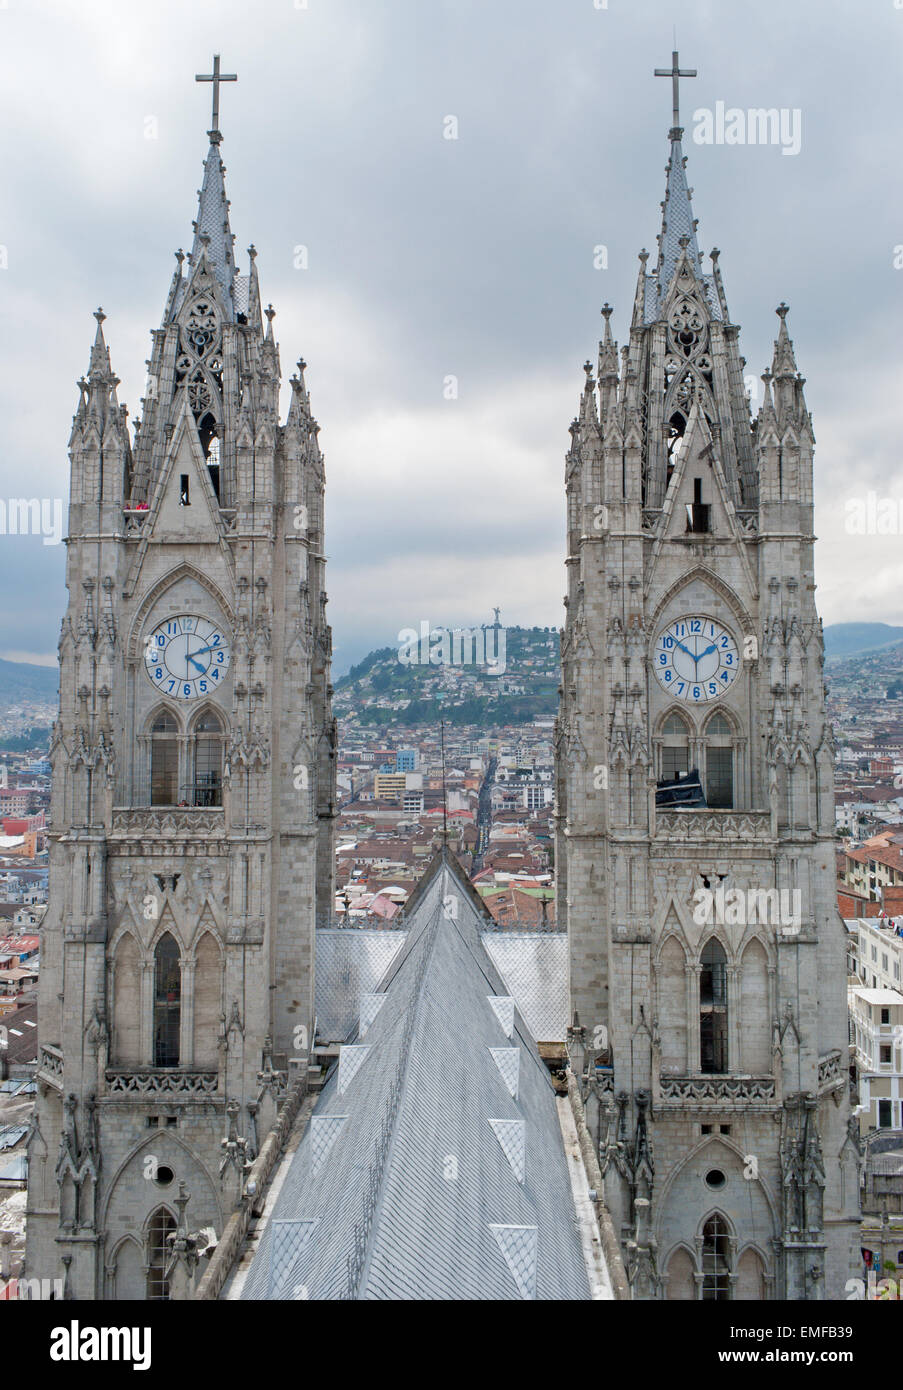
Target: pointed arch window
(167, 1002)
(713, 1008)
(207, 760)
(675, 430)
(164, 760)
(719, 763)
(160, 1226)
(210, 443)
(716, 1260)
(675, 748)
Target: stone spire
(212, 233)
(677, 218)
(608, 366)
(99, 445)
(677, 211)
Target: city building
(193, 784)
(693, 645)
(876, 1024)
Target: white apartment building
(876, 1028)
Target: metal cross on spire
(676, 72)
(216, 77)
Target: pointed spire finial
(216, 77)
(99, 315)
(675, 72)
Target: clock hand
(197, 664)
(683, 648)
(212, 648)
(708, 651)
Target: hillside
(405, 687)
(21, 681)
(851, 639)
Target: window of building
(719, 763)
(697, 510)
(885, 1054)
(161, 1225)
(207, 429)
(713, 1008)
(885, 1114)
(167, 1002)
(208, 760)
(675, 748)
(716, 1284)
(164, 760)
(885, 1015)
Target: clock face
(696, 659)
(187, 657)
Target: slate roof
(677, 222)
(433, 1165)
(352, 961)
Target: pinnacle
(100, 353)
(678, 235)
(784, 363)
(212, 235)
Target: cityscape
(451, 799)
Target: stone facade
(711, 1038)
(192, 807)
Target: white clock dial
(696, 659)
(187, 657)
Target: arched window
(674, 435)
(167, 1002)
(713, 1008)
(164, 760)
(207, 758)
(716, 1261)
(207, 431)
(159, 1227)
(719, 763)
(675, 748)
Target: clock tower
(695, 810)
(193, 783)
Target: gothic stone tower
(706, 950)
(193, 783)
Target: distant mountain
(19, 680)
(852, 639)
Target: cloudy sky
(430, 257)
